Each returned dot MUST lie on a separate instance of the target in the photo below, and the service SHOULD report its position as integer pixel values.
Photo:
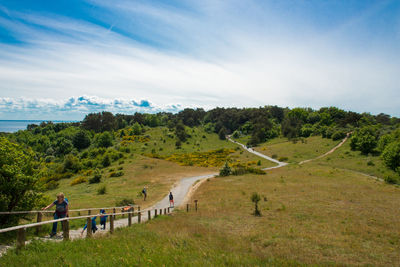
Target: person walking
(171, 200)
(61, 211)
(144, 192)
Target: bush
(96, 178)
(255, 198)
(102, 190)
(338, 135)
(391, 155)
(392, 179)
(370, 163)
(226, 170)
(51, 185)
(283, 159)
(124, 202)
(106, 161)
(274, 156)
(71, 163)
(78, 180)
(117, 174)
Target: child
(94, 227)
(61, 211)
(103, 219)
(171, 200)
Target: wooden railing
(21, 229)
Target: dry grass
(306, 148)
(157, 175)
(314, 215)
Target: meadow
(311, 215)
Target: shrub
(259, 163)
(96, 178)
(71, 163)
(274, 156)
(226, 170)
(391, 155)
(391, 179)
(51, 185)
(338, 135)
(255, 198)
(121, 162)
(124, 202)
(283, 159)
(117, 174)
(78, 180)
(106, 161)
(102, 190)
(370, 163)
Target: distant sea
(11, 126)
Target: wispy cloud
(205, 53)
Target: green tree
(18, 180)
(222, 134)
(364, 140)
(391, 155)
(104, 139)
(180, 132)
(106, 161)
(255, 198)
(226, 170)
(136, 128)
(81, 140)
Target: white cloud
(77, 107)
(210, 55)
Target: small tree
(255, 198)
(222, 134)
(226, 170)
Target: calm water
(11, 126)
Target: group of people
(61, 211)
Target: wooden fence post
(89, 227)
(65, 225)
(122, 211)
(168, 210)
(195, 205)
(114, 212)
(89, 212)
(111, 224)
(160, 211)
(187, 207)
(39, 219)
(139, 218)
(165, 211)
(130, 218)
(21, 236)
(149, 215)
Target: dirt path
(280, 164)
(329, 152)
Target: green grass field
(321, 213)
(311, 214)
(296, 151)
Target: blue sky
(63, 59)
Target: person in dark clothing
(103, 219)
(144, 192)
(171, 200)
(61, 211)
(94, 226)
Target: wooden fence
(21, 229)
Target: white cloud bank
(76, 107)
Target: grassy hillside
(296, 151)
(345, 158)
(311, 214)
(158, 175)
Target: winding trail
(329, 152)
